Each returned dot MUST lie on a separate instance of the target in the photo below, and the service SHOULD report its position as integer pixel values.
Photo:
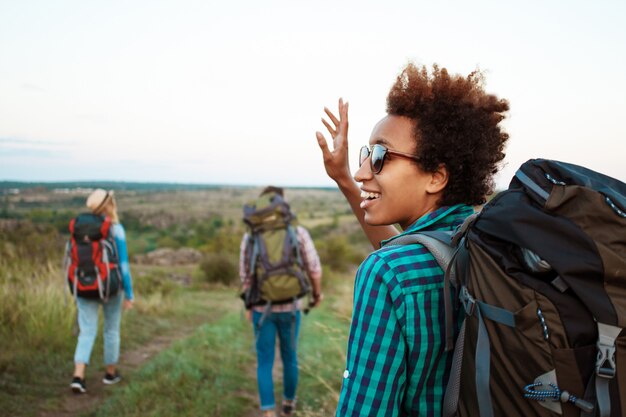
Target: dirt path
(74, 404)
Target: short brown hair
(270, 189)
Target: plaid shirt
(310, 259)
(396, 364)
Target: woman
(102, 202)
(428, 162)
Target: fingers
(321, 141)
(343, 112)
(332, 131)
(338, 132)
(331, 116)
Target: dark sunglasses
(378, 153)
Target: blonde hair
(110, 209)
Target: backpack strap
(439, 244)
(525, 179)
(294, 244)
(106, 247)
(253, 247)
(483, 352)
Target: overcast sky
(232, 92)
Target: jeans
(287, 325)
(88, 325)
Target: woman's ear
(438, 180)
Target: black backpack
(91, 258)
(272, 253)
(539, 276)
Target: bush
(25, 241)
(226, 240)
(153, 282)
(336, 253)
(219, 268)
(167, 242)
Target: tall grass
(33, 310)
(38, 316)
(36, 325)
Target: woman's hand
(316, 299)
(336, 161)
(128, 304)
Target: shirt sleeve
(375, 377)
(310, 258)
(119, 235)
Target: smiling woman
(430, 159)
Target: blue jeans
(287, 325)
(88, 325)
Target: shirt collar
(430, 220)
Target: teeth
(365, 194)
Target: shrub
(336, 253)
(219, 268)
(29, 242)
(153, 282)
(167, 242)
(226, 240)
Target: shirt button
(346, 374)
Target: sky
(232, 92)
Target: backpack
(272, 253)
(538, 279)
(91, 258)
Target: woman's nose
(364, 172)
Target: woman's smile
(369, 198)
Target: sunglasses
(378, 153)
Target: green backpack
(272, 253)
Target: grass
(205, 374)
(37, 350)
(213, 372)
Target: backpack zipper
(553, 180)
(614, 207)
(544, 326)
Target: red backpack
(91, 258)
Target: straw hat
(98, 199)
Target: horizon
(5, 184)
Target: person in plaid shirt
(428, 162)
(284, 320)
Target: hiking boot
(78, 385)
(112, 379)
(289, 408)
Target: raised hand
(338, 168)
(336, 160)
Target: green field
(186, 349)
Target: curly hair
(456, 124)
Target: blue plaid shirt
(396, 364)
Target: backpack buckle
(605, 364)
(469, 303)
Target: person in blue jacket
(103, 202)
